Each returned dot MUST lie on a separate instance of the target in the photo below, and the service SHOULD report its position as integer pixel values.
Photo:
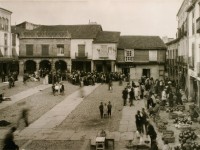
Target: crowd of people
(155, 93)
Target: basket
(181, 107)
(169, 139)
(173, 115)
(168, 133)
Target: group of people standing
(58, 88)
(132, 92)
(105, 110)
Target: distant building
(139, 56)
(166, 39)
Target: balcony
(81, 55)
(198, 25)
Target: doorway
(146, 72)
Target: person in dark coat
(150, 103)
(154, 145)
(179, 98)
(101, 109)
(138, 121)
(131, 96)
(144, 119)
(62, 88)
(170, 99)
(151, 132)
(109, 106)
(125, 95)
(8, 142)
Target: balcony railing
(198, 25)
(81, 55)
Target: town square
(76, 77)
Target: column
(37, 66)
(21, 67)
(112, 66)
(92, 66)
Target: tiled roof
(17, 30)
(76, 31)
(107, 37)
(141, 42)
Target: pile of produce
(177, 108)
(187, 135)
(188, 145)
(183, 120)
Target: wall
(86, 42)
(37, 48)
(136, 73)
(111, 55)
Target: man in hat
(151, 132)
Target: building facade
(105, 51)
(139, 56)
(7, 61)
(193, 11)
(172, 60)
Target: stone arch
(61, 65)
(45, 65)
(30, 66)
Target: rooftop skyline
(130, 17)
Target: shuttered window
(29, 50)
(153, 55)
(81, 50)
(45, 50)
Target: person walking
(24, 117)
(109, 109)
(8, 142)
(138, 121)
(151, 132)
(125, 95)
(131, 97)
(101, 109)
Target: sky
(130, 17)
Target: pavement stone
(66, 135)
(17, 97)
(125, 136)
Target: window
(129, 55)
(60, 48)
(45, 50)
(153, 55)
(104, 51)
(81, 50)
(29, 50)
(5, 39)
(5, 51)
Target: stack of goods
(182, 122)
(161, 126)
(168, 136)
